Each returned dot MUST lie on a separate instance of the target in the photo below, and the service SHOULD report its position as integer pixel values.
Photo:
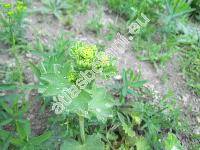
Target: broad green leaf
(79, 105)
(172, 142)
(53, 84)
(53, 74)
(93, 142)
(101, 104)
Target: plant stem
(14, 53)
(82, 131)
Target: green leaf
(35, 69)
(7, 108)
(17, 141)
(138, 84)
(79, 104)
(23, 128)
(27, 146)
(53, 74)
(142, 144)
(172, 142)
(101, 104)
(5, 139)
(40, 139)
(53, 84)
(4, 134)
(133, 92)
(127, 128)
(93, 142)
(5, 122)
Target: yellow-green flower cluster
(84, 54)
(104, 59)
(13, 10)
(86, 57)
(72, 76)
(7, 6)
(20, 6)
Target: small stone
(118, 77)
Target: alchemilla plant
(69, 77)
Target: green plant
(191, 68)
(121, 7)
(24, 139)
(195, 4)
(10, 113)
(63, 9)
(74, 7)
(80, 5)
(67, 66)
(15, 131)
(13, 75)
(12, 17)
(132, 9)
(148, 123)
(103, 121)
(157, 42)
(175, 11)
(95, 25)
(156, 53)
(131, 82)
(171, 142)
(112, 32)
(141, 123)
(53, 7)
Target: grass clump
(95, 25)
(191, 67)
(131, 9)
